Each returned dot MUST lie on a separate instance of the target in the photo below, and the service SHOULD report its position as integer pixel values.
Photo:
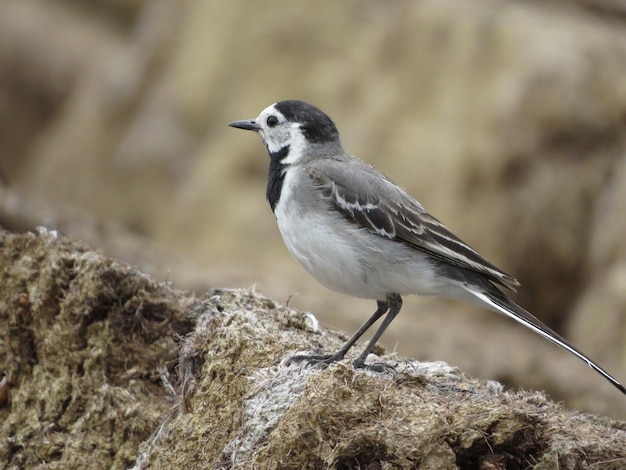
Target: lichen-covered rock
(85, 344)
(243, 405)
(101, 367)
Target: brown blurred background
(505, 119)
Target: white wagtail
(358, 233)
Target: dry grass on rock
(104, 368)
(82, 340)
(244, 406)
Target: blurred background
(505, 119)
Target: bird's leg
(394, 302)
(383, 306)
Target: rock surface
(105, 368)
(86, 343)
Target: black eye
(272, 121)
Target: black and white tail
(502, 304)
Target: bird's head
(289, 127)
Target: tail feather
(509, 308)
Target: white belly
(347, 259)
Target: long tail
(502, 304)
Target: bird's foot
(323, 360)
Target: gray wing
(369, 199)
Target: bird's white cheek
(275, 140)
(273, 145)
(297, 148)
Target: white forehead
(269, 111)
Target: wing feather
(375, 203)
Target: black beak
(248, 125)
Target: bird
(358, 233)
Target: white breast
(345, 258)
(312, 239)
